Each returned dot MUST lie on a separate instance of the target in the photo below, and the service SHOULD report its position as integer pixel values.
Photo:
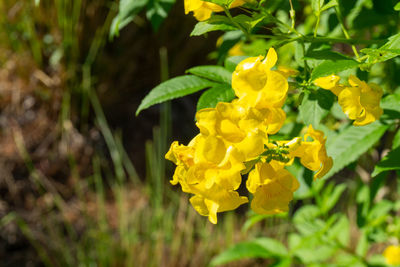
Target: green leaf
(351, 143)
(219, 93)
(397, 7)
(380, 55)
(315, 106)
(396, 140)
(128, 9)
(331, 200)
(157, 11)
(214, 73)
(219, 2)
(393, 43)
(340, 231)
(215, 23)
(248, 22)
(391, 103)
(232, 62)
(328, 5)
(316, 6)
(390, 162)
(258, 248)
(332, 67)
(174, 88)
(325, 54)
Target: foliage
(327, 42)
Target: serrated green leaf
(231, 62)
(258, 248)
(380, 55)
(329, 67)
(219, 93)
(393, 43)
(390, 162)
(315, 106)
(174, 88)
(215, 23)
(214, 73)
(351, 143)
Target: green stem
(317, 25)
(346, 34)
(292, 15)
(228, 14)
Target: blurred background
(83, 181)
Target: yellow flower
(256, 85)
(392, 255)
(216, 199)
(360, 102)
(236, 50)
(331, 83)
(180, 154)
(209, 169)
(313, 154)
(287, 72)
(202, 10)
(272, 187)
(243, 128)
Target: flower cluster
(233, 141)
(359, 100)
(202, 10)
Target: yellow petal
(287, 72)
(206, 120)
(392, 255)
(211, 149)
(191, 5)
(202, 13)
(349, 100)
(271, 198)
(327, 82)
(270, 59)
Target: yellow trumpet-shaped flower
(243, 128)
(256, 85)
(272, 186)
(312, 153)
(209, 169)
(359, 101)
(216, 199)
(331, 83)
(202, 10)
(392, 255)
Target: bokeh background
(83, 181)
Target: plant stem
(292, 14)
(346, 34)
(240, 27)
(317, 25)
